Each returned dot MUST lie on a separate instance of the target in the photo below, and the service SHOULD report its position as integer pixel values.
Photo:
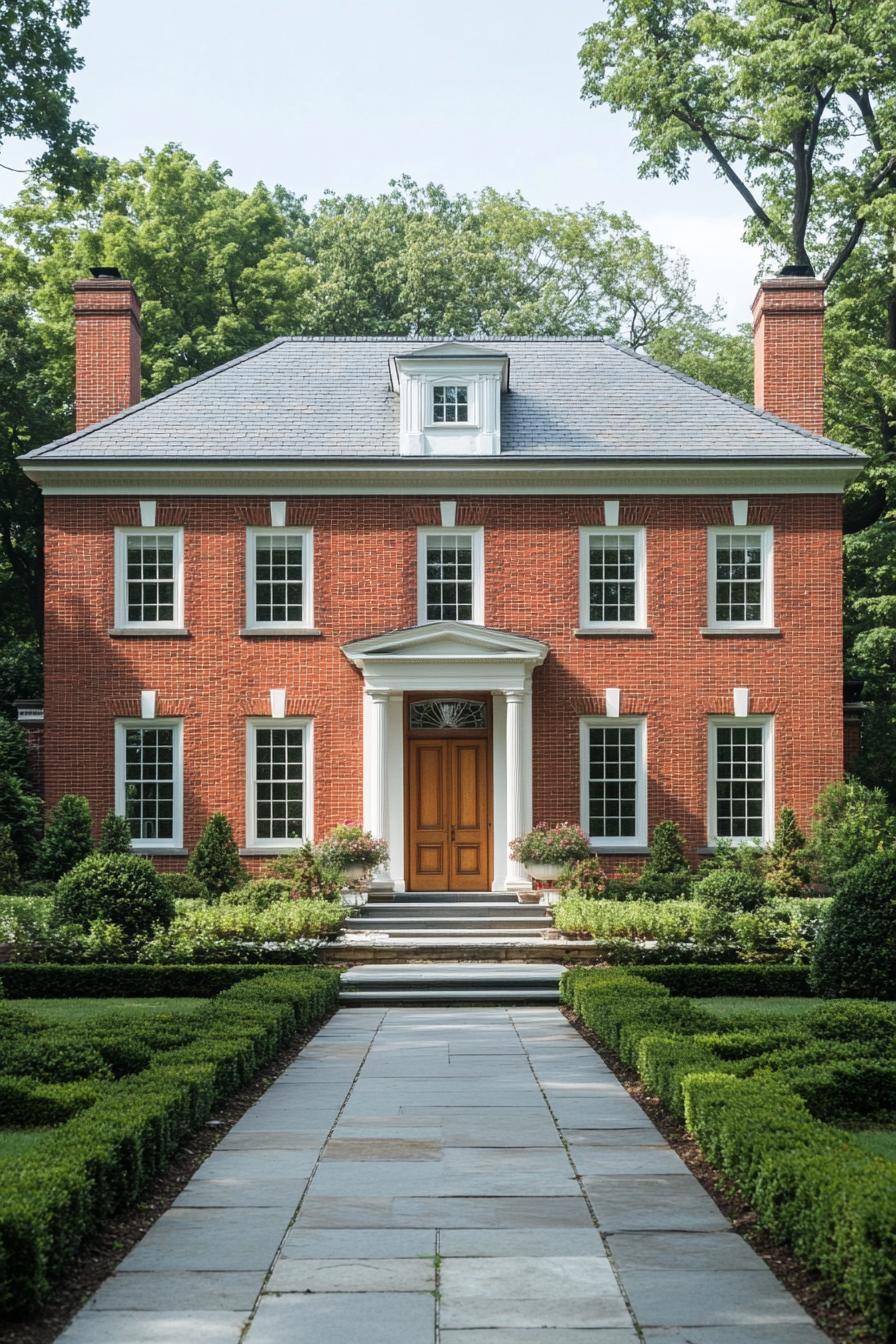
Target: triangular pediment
(453, 350)
(447, 641)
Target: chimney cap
(105, 273)
(803, 271)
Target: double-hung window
(741, 780)
(614, 782)
(278, 575)
(279, 780)
(612, 580)
(741, 588)
(149, 781)
(449, 573)
(149, 580)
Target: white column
(378, 820)
(516, 785)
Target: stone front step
(380, 949)
(410, 983)
(452, 929)
(446, 898)
(418, 910)
(434, 923)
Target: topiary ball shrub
(730, 891)
(260, 893)
(184, 887)
(121, 888)
(855, 954)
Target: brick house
(445, 588)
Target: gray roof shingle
(329, 397)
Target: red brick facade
(365, 583)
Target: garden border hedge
(705, 981)
(812, 1186)
(103, 1158)
(46, 980)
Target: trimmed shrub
(855, 955)
(100, 1161)
(215, 861)
(184, 887)
(666, 875)
(787, 870)
(699, 981)
(851, 823)
(67, 838)
(730, 891)
(115, 834)
(121, 888)
(59, 1056)
(310, 877)
(260, 893)
(586, 879)
(22, 981)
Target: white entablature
(450, 399)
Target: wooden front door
(448, 814)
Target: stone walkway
(469, 1176)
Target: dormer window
(450, 405)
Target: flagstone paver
(453, 1175)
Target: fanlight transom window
(447, 714)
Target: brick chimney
(788, 340)
(107, 346)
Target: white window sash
(767, 723)
(306, 536)
(476, 536)
(473, 394)
(767, 596)
(121, 577)
(292, 842)
(640, 619)
(614, 844)
(122, 726)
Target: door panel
(448, 814)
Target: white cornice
(471, 476)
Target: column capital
(378, 697)
(514, 697)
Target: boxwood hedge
(757, 1101)
(102, 1158)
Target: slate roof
(330, 397)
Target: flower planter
(544, 872)
(530, 897)
(353, 872)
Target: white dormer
(450, 399)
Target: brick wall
(107, 349)
(365, 583)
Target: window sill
(160, 852)
(636, 851)
(741, 632)
(147, 632)
(280, 632)
(268, 851)
(614, 632)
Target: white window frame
(121, 577)
(252, 839)
(767, 600)
(767, 723)
(640, 620)
(452, 380)
(615, 844)
(306, 535)
(477, 536)
(122, 726)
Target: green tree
(67, 838)
(216, 860)
(10, 875)
(36, 95)
(793, 103)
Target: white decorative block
(147, 513)
(278, 513)
(147, 704)
(740, 508)
(448, 509)
(613, 699)
(611, 513)
(278, 704)
(741, 696)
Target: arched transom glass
(447, 714)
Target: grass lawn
(735, 1006)
(82, 1010)
(880, 1142)
(15, 1142)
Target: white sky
(345, 95)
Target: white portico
(446, 660)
